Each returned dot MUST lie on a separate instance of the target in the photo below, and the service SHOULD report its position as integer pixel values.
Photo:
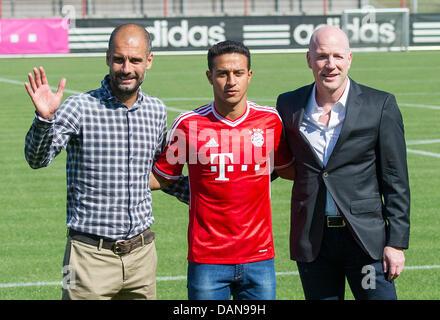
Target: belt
(335, 222)
(119, 247)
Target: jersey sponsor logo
(222, 164)
(222, 167)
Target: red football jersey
(229, 165)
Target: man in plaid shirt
(112, 136)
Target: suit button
(325, 174)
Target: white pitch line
(425, 153)
(416, 142)
(423, 106)
(177, 109)
(21, 83)
(175, 278)
(418, 93)
(422, 267)
(419, 142)
(287, 273)
(30, 284)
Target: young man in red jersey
(230, 146)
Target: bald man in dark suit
(351, 198)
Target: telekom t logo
(221, 165)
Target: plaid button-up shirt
(110, 153)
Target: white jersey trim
(164, 175)
(231, 123)
(264, 108)
(204, 110)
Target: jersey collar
(231, 123)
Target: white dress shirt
(323, 138)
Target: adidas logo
(211, 143)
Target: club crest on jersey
(257, 137)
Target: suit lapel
(353, 108)
(299, 114)
(298, 106)
(298, 118)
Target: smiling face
(329, 57)
(128, 59)
(230, 78)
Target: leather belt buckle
(335, 222)
(122, 247)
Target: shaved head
(130, 32)
(329, 33)
(329, 57)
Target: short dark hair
(145, 33)
(225, 47)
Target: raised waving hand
(45, 101)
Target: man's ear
(309, 62)
(250, 73)
(149, 61)
(350, 59)
(107, 58)
(209, 75)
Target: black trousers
(342, 258)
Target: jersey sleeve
(282, 155)
(170, 163)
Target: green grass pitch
(32, 202)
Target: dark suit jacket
(366, 174)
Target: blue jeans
(248, 281)
(341, 257)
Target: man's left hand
(393, 262)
